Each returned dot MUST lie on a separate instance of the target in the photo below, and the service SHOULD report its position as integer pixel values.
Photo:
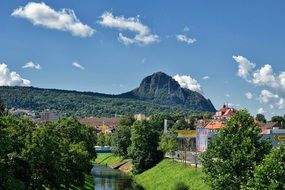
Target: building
(102, 124)
(140, 117)
(49, 116)
(214, 126)
(225, 113)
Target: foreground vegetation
(49, 156)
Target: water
(106, 178)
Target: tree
(260, 117)
(168, 143)
(270, 173)
(233, 153)
(2, 108)
(121, 140)
(280, 120)
(157, 120)
(180, 124)
(144, 147)
(127, 120)
(101, 139)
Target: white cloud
(282, 79)
(244, 66)
(64, 20)
(11, 78)
(261, 111)
(267, 96)
(264, 76)
(143, 35)
(184, 38)
(281, 103)
(206, 77)
(186, 29)
(188, 82)
(77, 65)
(227, 95)
(31, 65)
(249, 95)
(271, 106)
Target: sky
(230, 51)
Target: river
(106, 178)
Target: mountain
(156, 93)
(163, 89)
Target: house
(225, 113)
(214, 126)
(104, 124)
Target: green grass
(167, 174)
(107, 158)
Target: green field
(107, 158)
(172, 175)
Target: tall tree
(269, 175)
(233, 154)
(144, 147)
(168, 143)
(2, 107)
(121, 140)
(260, 117)
(127, 120)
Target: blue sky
(109, 46)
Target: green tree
(233, 153)
(180, 124)
(127, 120)
(280, 120)
(260, 117)
(121, 140)
(269, 175)
(2, 108)
(144, 147)
(157, 120)
(101, 139)
(168, 143)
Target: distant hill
(156, 93)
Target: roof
(215, 125)
(99, 121)
(269, 125)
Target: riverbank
(168, 174)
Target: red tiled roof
(99, 121)
(215, 125)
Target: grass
(107, 158)
(169, 175)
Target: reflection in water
(106, 178)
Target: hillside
(156, 93)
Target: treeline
(82, 103)
(49, 156)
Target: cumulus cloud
(188, 82)
(64, 19)
(249, 95)
(261, 111)
(267, 96)
(143, 35)
(11, 78)
(206, 77)
(264, 76)
(244, 66)
(77, 65)
(184, 38)
(31, 65)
